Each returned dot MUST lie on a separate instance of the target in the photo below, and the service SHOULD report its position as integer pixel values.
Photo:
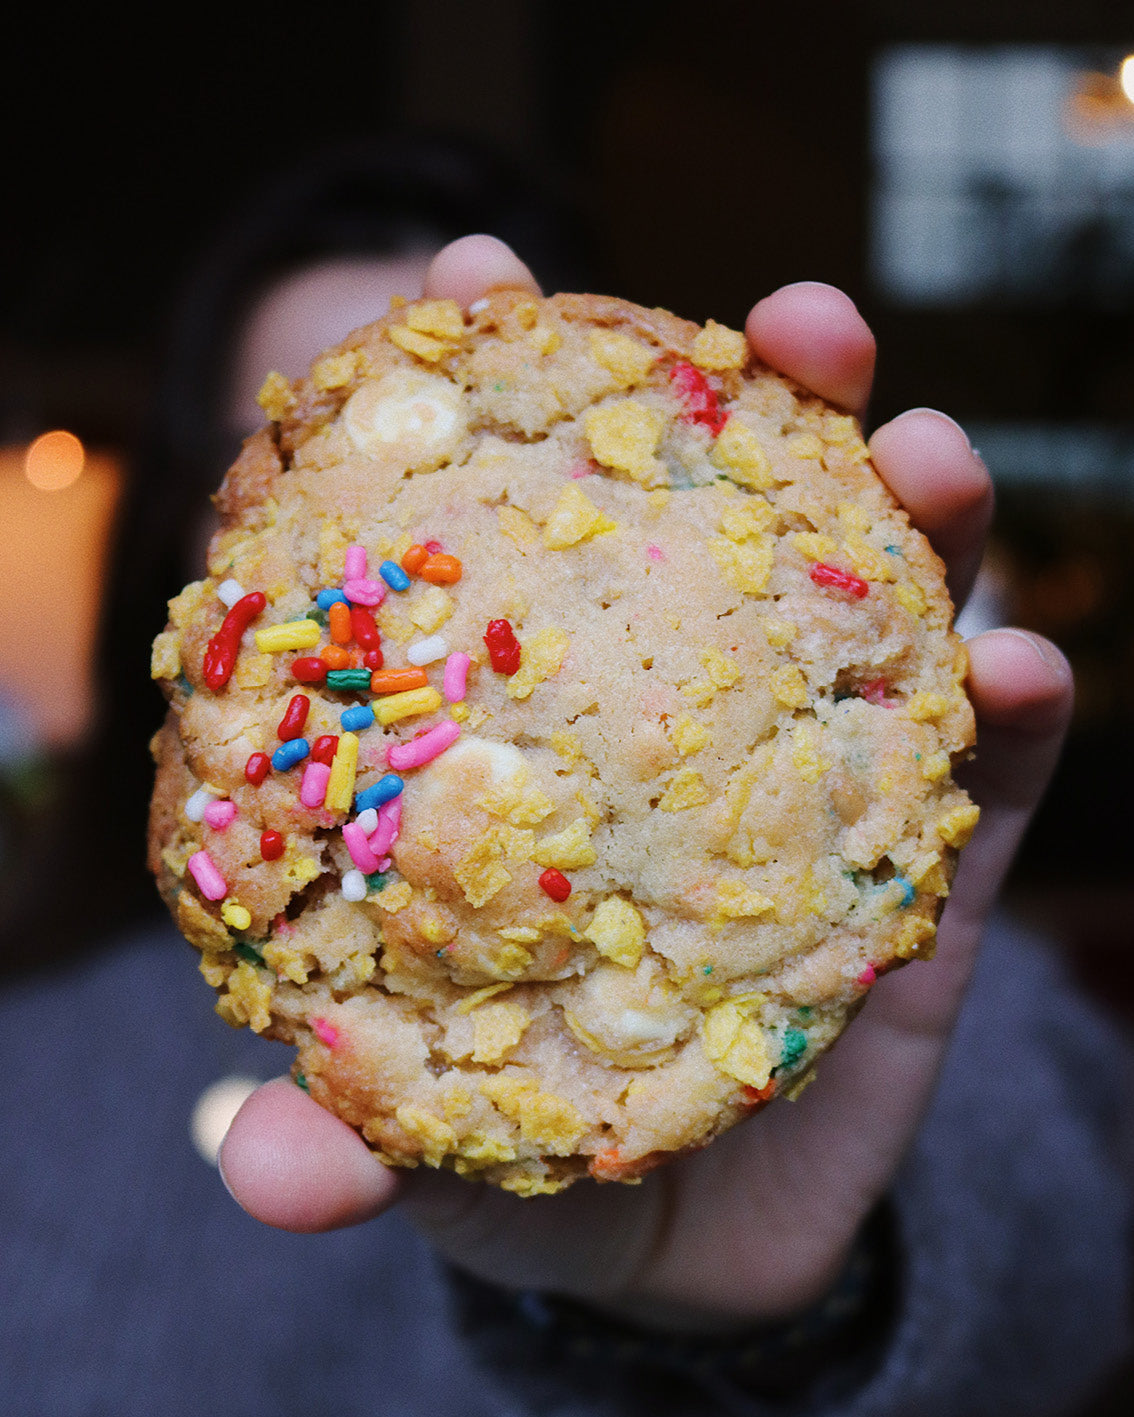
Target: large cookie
(653, 780)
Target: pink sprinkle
(580, 469)
(205, 873)
(455, 682)
(355, 568)
(424, 749)
(360, 852)
(385, 863)
(655, 553)
(325, 1032)
(867, 977)
(219, 815)
(313, 788)
(434, 548)
(364, 592)
(389, 826)
(875, 693)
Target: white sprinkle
(478, 305)
(427, 651)
(354, 886)
(195, 807)
(230, 592)
(368, 821)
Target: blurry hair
(379, 197)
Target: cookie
(561, 742)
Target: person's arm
(757, 1228)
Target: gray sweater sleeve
(1009, 1254)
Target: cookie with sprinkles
(561, 742)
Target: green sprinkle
(248, 952)
(795, 1045)
(498, 388)
(301, 1081)
(804, 1011)
(348, 678)
(708, 969)
(319, 616)
(184, 685)
(375, 881)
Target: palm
(759, 1223)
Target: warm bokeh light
(213, 1114)
(52, 562)
(54, 461)
(1126, 77)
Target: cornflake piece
(717, 348)
(624, 436)
(618, 931)
(574, 518)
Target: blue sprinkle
(896, 551)
(384, 790)
(354, 720)
(328, 596)
(908, 892)
(393, 575)
(289, 753)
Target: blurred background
(965, 172)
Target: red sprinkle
(503, 647)
(754, 1095)
(271, 845)
(832, 577)
(295, 716)
(874, 692)
(434, 547)
(309, 670)
(256, 768)
(220, 656)
(363, 627)
(324, 749)
(699, 398)
(555, 884)
(374, 659)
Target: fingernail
(936, 412)
(1043, 649)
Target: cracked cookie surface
(561, 742)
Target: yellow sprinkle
(574, 518)
(618, 931)
(789, 687)
(344, 765)
(738, 451)
(235, 916)
(406, 705)
(296, 634)
(956, 826)
(627, 359)
(687, 789)
(624, 436)
(924, 707)
(717, 347)
(814, 546)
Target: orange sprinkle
(414, 559)
(334, 657)
(441, 569)
(396, 681)
(339, 616)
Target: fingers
(928, 463)
(293, 1165)
(814, 334)
(467, 269)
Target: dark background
(716, 151)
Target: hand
(759, 1224)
